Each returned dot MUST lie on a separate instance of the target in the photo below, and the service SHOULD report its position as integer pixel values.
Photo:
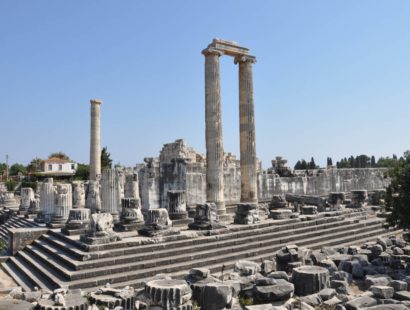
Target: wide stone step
(51, 278)
(126, 246)
(217, 244)
(132, 273)
(228, 267)
(49, 261)
(34, 277)
(19, 277)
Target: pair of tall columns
(213, 123)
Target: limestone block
(341, 287)
(246, 213)
(377, 280)
(402, 295)
(309, 210)
(309, 279)
(177, 204)
(167, 293)
(359, 198)
(100, 230)
(384, 292)
(246, 268)
(398, 285)
(360, 302)
(280, 214)
(206, 217)
(216, 296)
(78, 219)
(270, 293)
(279, 275)
(313, 300)
(388, 307)
(327, 293)
(277, 202)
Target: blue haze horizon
(331, 79)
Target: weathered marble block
(157, 223)
(34, 208)
(7, 200)
(100, 230)
(335, 200)
(277, 202)
(131, 215)
(93, 201)
(309, 279)
(359, 198)
(246, 213)
(27, 194)
(78, 221)
(168, 294)
(177, 205)
(78, 194)
(280, 214)
(63, 204)
(206, 217)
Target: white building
(57, 166)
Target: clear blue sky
(332, 77)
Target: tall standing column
(213, 134)
(249, 191)
(95, 146)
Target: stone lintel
(230, 48)
(96, 101)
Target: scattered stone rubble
(373, 276)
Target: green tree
(34, 165)
(16, 168)
(329, 161)
(312, 164)
(82, 172)
(373, 162)
(398, 193)
(60, 155)
(106, 161)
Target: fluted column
(47, 199)
(110, 194)
(95, 146)
(213, 134)
(249, 192)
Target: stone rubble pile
(375, 275)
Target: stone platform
(56, 260)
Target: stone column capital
(96, 101)
(245, 58)
(212, 51)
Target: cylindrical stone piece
(110, 194)
(309, 279)
(47, 199)
(213, 133)
(167, 293)
(95, 145)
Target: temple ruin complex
(208, 229)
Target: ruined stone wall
(180, 168)
(329, 180)
(191, 177)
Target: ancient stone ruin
(190, 231)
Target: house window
(50, 167)
(60, 167)
(72, 166)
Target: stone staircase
(13, 221)
(56, 260)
